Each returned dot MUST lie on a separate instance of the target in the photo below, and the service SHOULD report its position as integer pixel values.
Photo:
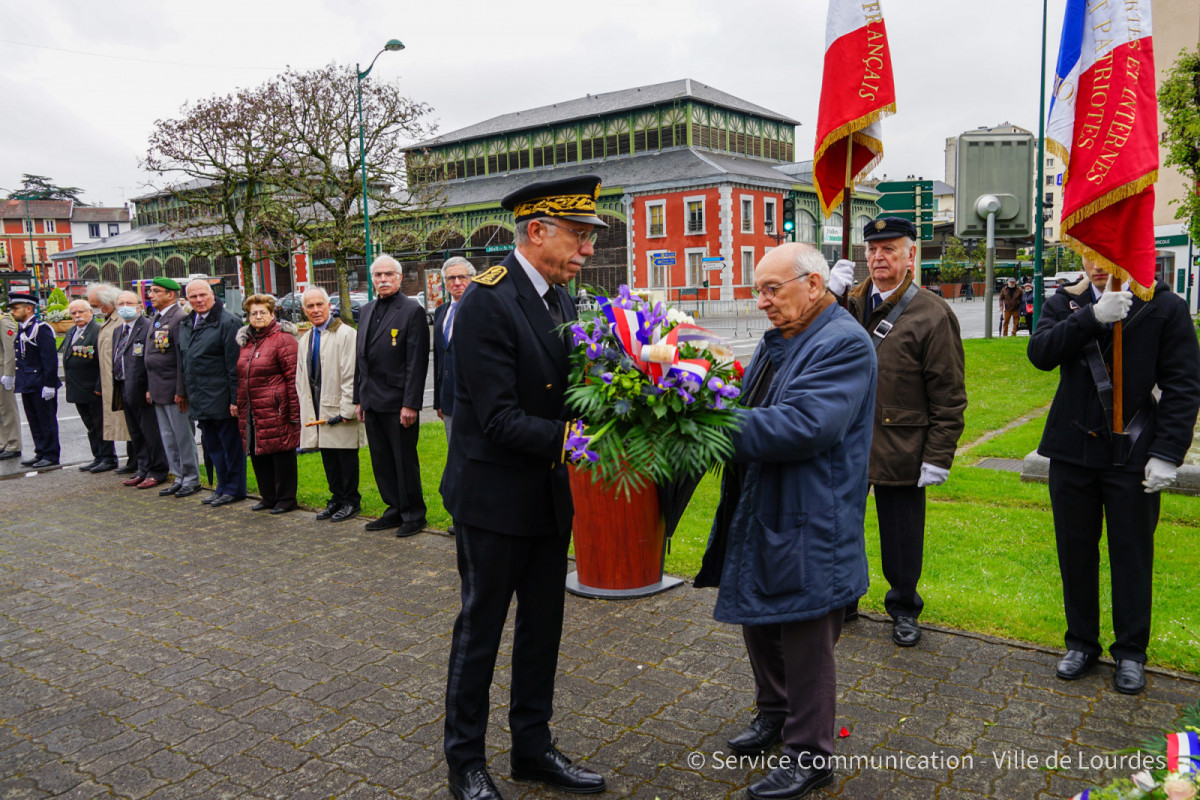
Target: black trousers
(223, 443)
(901, 511)
(341, 473)
(147, 444)
(1082, 499)
(277, 478)
(795, 679)
(492, 568)
(42, 416)
(92, 414)
(397, 468)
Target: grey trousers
(10, 421)
(179, 442)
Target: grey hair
(385, 261)
(324, 294)
(457, 261)
(809, 261)
(106, 293)
(521, 234)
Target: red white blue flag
(1103, 123)
(1183, 752)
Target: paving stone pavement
(158, 648)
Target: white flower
(677, 317)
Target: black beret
(889, 228)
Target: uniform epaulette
(492, 276)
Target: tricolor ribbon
(639, 332)
(1183, 752)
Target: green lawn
(990, 562)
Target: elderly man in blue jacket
(787, 543)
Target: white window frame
(29, 228)
(770, 217)
(656, 277)
(114, 229)
(687, 216)
(747, 276)
(695, 281)
(662, 204)
(747, 213)
(48, 226)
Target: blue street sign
(664, 261)
(712, 258)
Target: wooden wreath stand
(619, 543)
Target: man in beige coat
(10, 419)
(325, 364)
(104, 297)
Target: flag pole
(846, 199)
(1118, 376)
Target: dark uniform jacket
(133, 356)
(391, 367)
(1160, 348)
(208, 356)
(922, 393)
(37, 360)
(443, 363)
(162, 357)
(81, 363)
(505, 471)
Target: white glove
(841, 277)
(1159, 475)
(8, 382)
(1112, 306)
(932, 476)
(48, 393)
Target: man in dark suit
(389, 387)
(81, 371)
(506, 486)
(36, 379)
(130, 384)
(1101, 477)
(456, 275)
(166, 392)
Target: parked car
(357, 301)
(419, 299)
(288, 307)
(1060, 279)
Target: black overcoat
(390, 368)
(81, 364)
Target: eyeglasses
(769, 291)
(455, 278)
(585, 237)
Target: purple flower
(626, 298)
(621, 407)
(581, 336)
(607, 377)
(723, 389)
(577, 442)
(686, 395)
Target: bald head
(200, 296)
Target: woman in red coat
(268, 410)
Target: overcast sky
(83, 83)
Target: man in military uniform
(919, 403)
(165, 389)
(36, 379)
(81, 373)
(10, 418)
(1097, 476)
(130, 385)
(506, 486)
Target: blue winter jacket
(795, 547)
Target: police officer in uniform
(36, 379)
(506, 486)
(1097, 476)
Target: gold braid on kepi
(571, 199)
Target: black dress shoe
(789, 782)
(224, 500)
(409, 528)
(103, 466)
(1129, 677)
(7, 454)
(188, 491)
(555, 769)
(43, 463)
(344, 513)
(128, 469)
(261, 506)
(328, 511)
(29, 462)
(905, 631)
(89, 467)
(761, 733)
(1074, 665)
(208, 500)
(383, 523)
(284, 509)
(474, 784)
(170, 490)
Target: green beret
(166, 283)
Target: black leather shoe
(789, 782)
(1129, 677)
(7, 454)
(170, 490)
(103, 466)
(328, 511)
(409, 528)
(187, 491)
(128, 469)
(762, 733)
(43, 463)
(284, 509)
(383, 523)
(905, 631)
(261, 506)
(29, 462)
(208, 500)
(474, 784)
(89, 467)
(554, 769)
(344, 513)
(1074, 665)
(851, 612)
(224, 500)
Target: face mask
(127, 313)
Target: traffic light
(789, 214)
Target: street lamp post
(393, 45)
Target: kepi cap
(566, 198)
(889, 228)
(166, 283)
(22, 297)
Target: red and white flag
(856, 92)
(1103, 123)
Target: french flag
(1103, 123)
(857, 91)
(1183, 752)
